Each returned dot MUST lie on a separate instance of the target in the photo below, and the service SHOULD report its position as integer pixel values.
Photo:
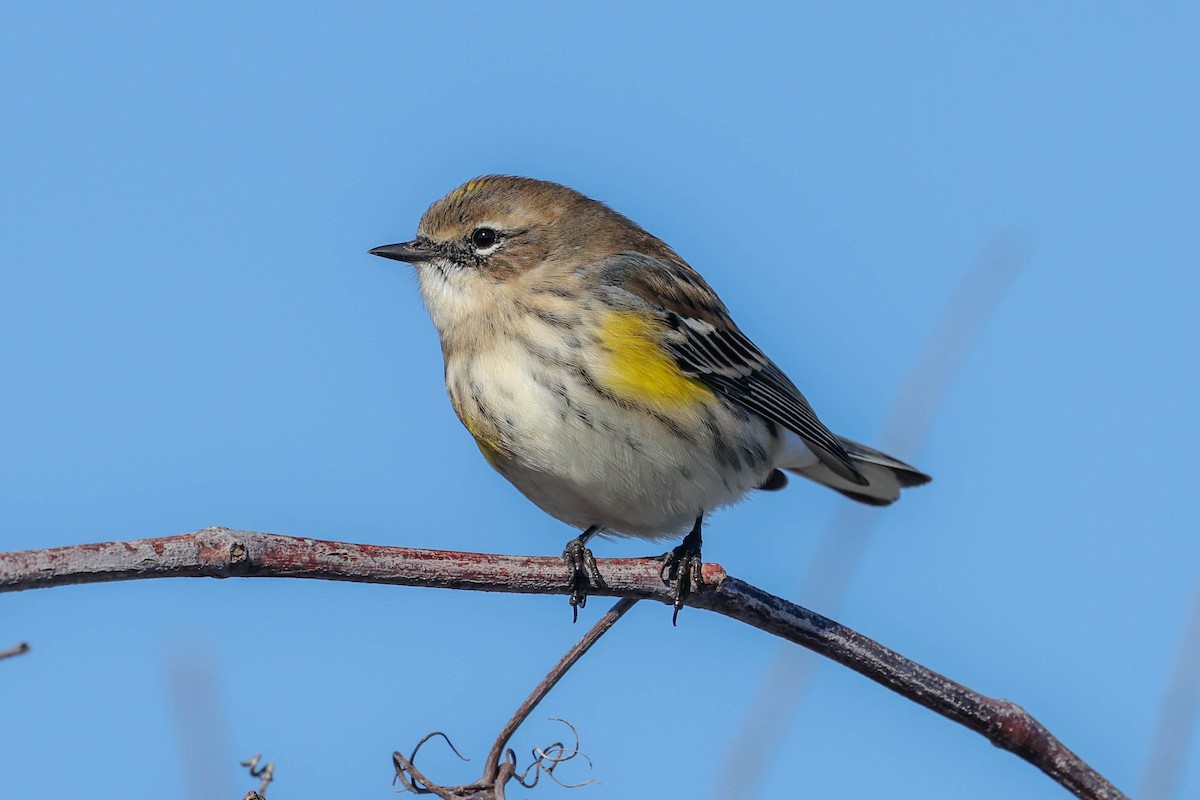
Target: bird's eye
(484, 238)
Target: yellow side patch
(639, 370)
(483, 436)
(491, 453)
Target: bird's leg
(582, 565)
(681, 567)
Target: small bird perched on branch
(603, 378)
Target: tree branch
(224, 553)
(15, 650)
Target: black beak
(413, 252)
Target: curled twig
(407, 774)
(501, 764)
(266, 773)
(445, 738)
(546, 760)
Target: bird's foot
(584, 573)
(681, 569)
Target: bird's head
(496, 227)
(489, 237)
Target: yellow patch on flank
(491, 453)
(639, 370)
(491, 449)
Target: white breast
(578, 455)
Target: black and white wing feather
(708, 346)
(725, 359)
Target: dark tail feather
(886, 476)
(865, 498)
(907, 476)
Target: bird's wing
(707, 345)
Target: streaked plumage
(602, 376)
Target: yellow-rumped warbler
(603, 378)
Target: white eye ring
(485, 239)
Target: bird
(602, 376)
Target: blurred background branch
(827, 580)
(1176, 728)
(15, 650)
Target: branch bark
(224, 553)
(15, 650)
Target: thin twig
(501, 764)
(491, 767)
(410, 778)
(413, 780)
(15, 650)
(219, 552)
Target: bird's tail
(885, 475)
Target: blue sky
(192, 333)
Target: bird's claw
(584, 574)
(681, 570)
